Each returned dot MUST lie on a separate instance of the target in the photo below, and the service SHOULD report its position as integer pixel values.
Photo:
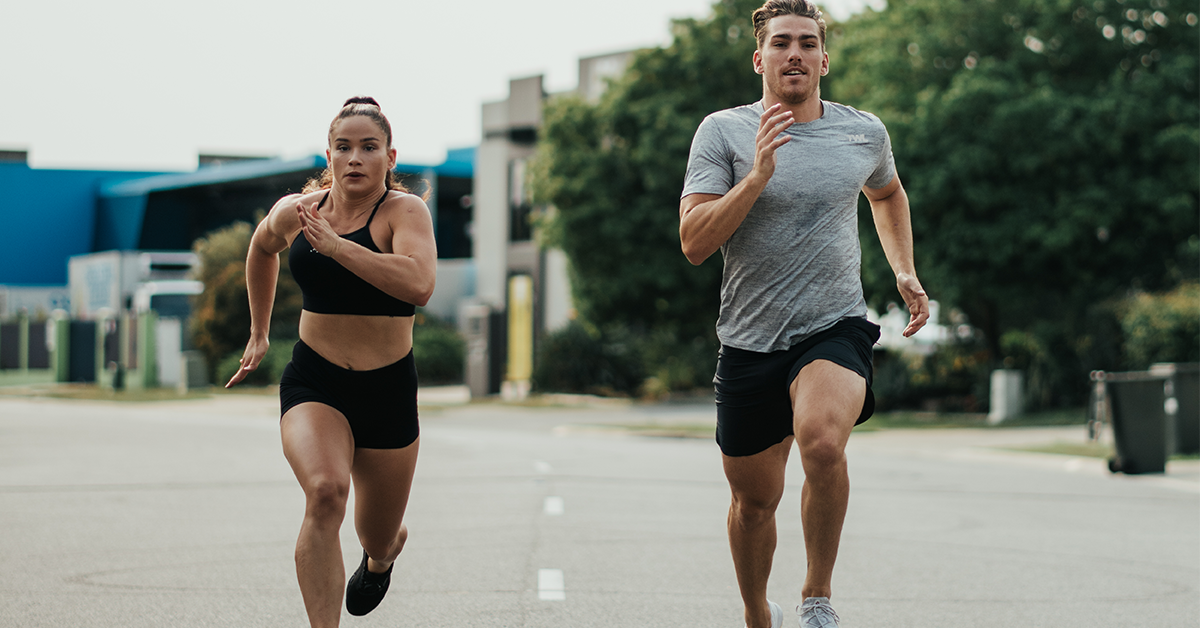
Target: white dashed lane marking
(550, 581)
(550, 585)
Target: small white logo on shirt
(857, 139)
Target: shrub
(677, 364)
(267, 373)
(582, 359)
(439, 350)
(221, 314)
(954, 377)
(1161, 327)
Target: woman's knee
(326, 498)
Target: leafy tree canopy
(614, 171)
(1049, 149)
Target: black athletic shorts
(380, 404)
(754, 404)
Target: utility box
(1007, 398)
(485, 331)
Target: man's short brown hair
(776, 8)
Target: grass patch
(1083, 450)
(1069, 416)
(1104, 451)
(879, 422)
(561, 400)
(910, 420)
(91, 392)
(941, 420)
(243, 389)
(678, 430)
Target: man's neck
(806, 111)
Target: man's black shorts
(754, 405)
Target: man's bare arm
(889, 207)
(706, 221)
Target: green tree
(1049, 148)
(221, 317)
(614, 170)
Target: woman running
(363, 254)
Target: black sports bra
(329, 288)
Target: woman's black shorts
(754, 404)
(380, 404)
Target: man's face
(791, 58)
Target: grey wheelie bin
(1154, 414)
(1187, 416)
(1138, 422)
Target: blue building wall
(48, 216)
(120, 222)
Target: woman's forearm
(262, 273)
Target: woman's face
(358, 154)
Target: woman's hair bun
(360, 100)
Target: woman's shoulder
(290, 200)
(285, 208)
(282, 219)
(400, 202)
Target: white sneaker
(776, 615)
(817, 613)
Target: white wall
(167, 349)
(560, 307)
(455, 282)
(489, 232)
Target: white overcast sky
(149, 84)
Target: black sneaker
(366, 589)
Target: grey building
(506, 252)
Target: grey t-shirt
(792, 268)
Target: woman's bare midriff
(358, 343)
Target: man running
(774, 185)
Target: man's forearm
(894, 225)
(704, 227)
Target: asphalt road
(185, 514)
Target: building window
(520, 209)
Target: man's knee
(823, 454)
(822, 441)
(750, 510)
